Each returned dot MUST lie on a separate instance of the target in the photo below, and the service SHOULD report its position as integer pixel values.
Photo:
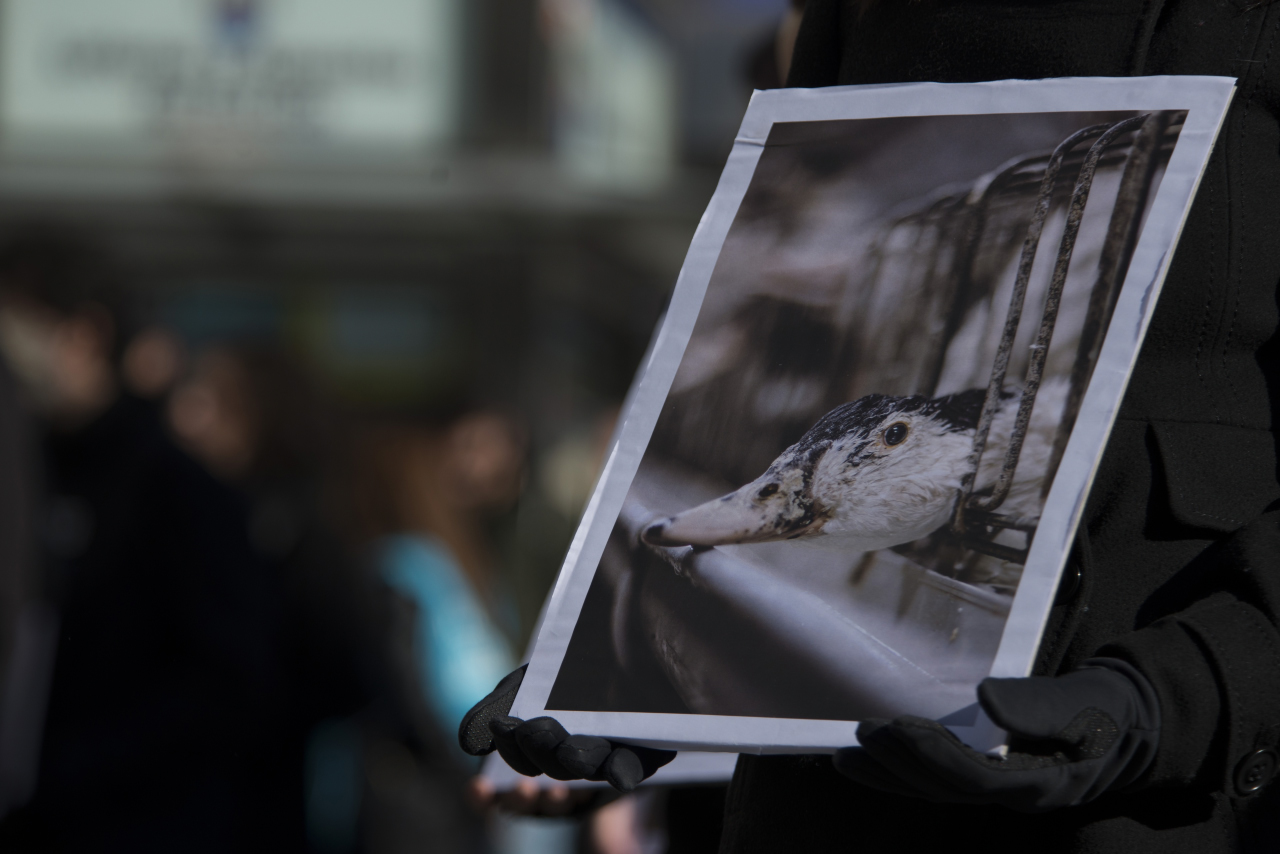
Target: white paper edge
(1205, 98)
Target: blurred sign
(377, 72)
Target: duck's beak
(735, 518)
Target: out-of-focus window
(213, 78)
(615, 84)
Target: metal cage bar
(1014, 316)
(1053, 299)
(975, 519)
(1117, 251)
(976, 207)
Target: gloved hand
(542, 746)
(1071, 738)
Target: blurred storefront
(414, 194)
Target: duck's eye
(767, 490)
(895, 433)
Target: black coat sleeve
(1216, 664)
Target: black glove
(542, 746)
(1071, 738)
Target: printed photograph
(833, 514)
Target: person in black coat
(256, 419)
(1163, 648)
(165, 683)
(1177, 569)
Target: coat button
(1255, 771)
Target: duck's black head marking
(855, 421)
(857, 454)
(958, 412)
(861, 414)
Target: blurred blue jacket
(461, 652)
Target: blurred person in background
(258, 421)
(428, 487)
(159, 713)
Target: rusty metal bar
(963, 279)
(1117, 251)
(1012, 319)
(1053, 298)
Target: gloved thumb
(474, 735)
(1036, 707)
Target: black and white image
(835, 508)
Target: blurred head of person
(152, 362)
(252, 414)
(59, 327)
(440, 474)
(419, 471)
(484, 456)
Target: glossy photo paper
(850, 472)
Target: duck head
(873, 473)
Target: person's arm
(1215, 667)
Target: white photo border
(1204, 98)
